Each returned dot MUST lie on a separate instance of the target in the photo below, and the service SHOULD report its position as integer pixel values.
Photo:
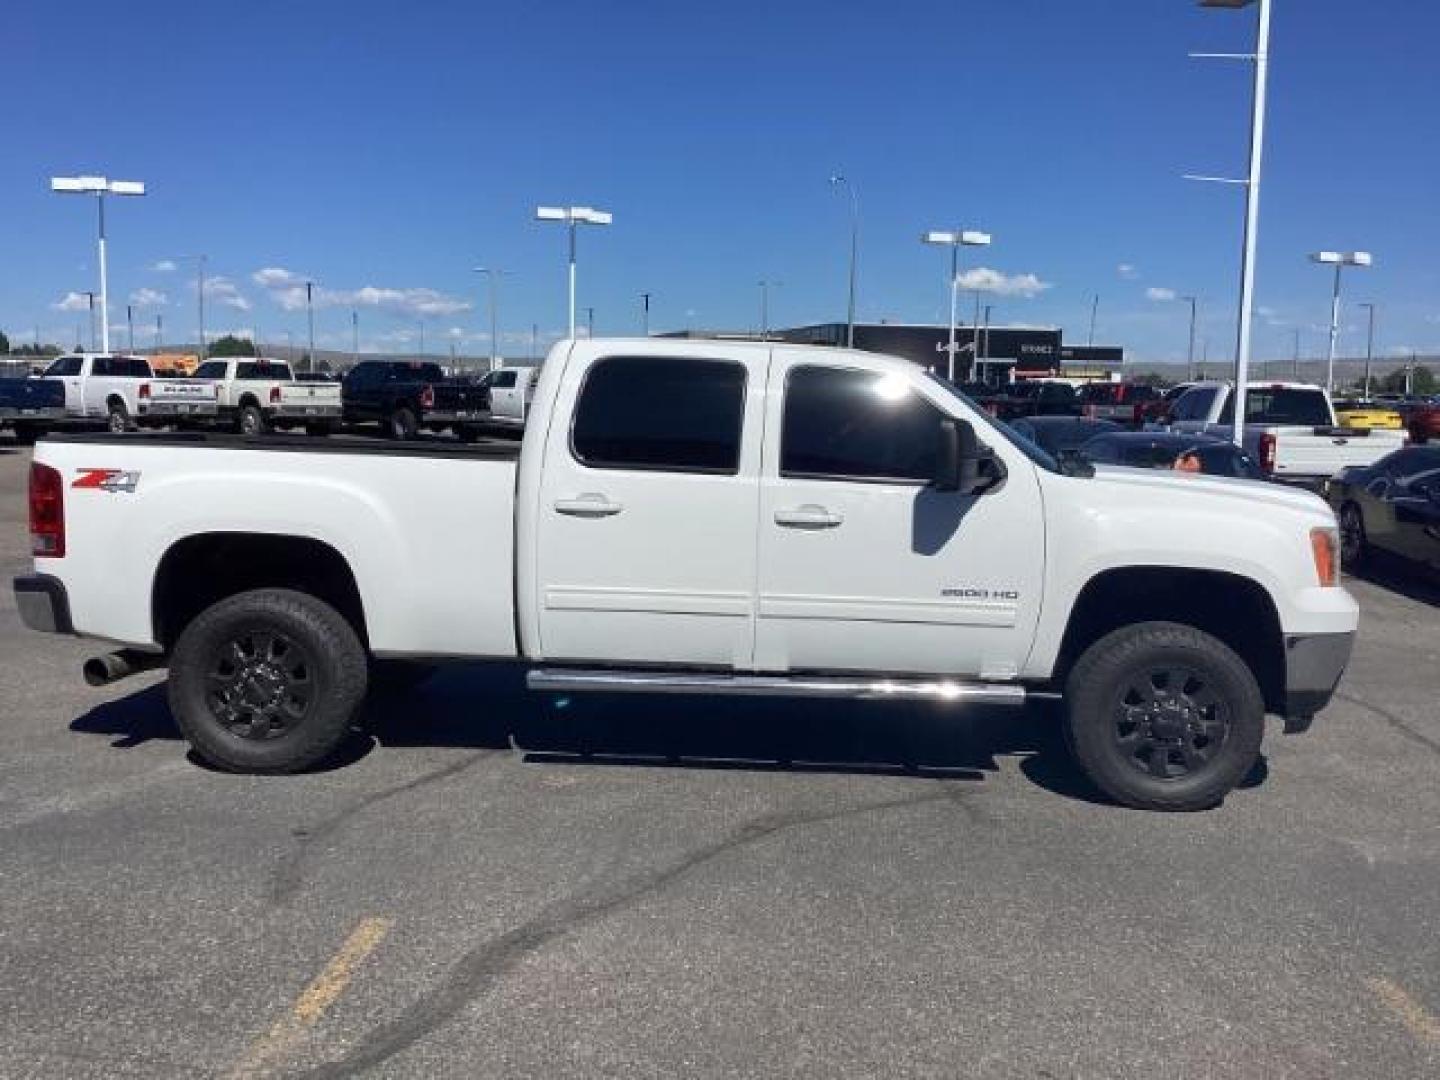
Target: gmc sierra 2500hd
(710, 518)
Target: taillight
(145, 390)
(47, 512)
(427, 398)
(274, 395)
(1267, 452)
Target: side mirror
(957, 462)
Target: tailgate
(461, 397)
(176, 390)
(310, 395)
(1324, 452)
(23, 394)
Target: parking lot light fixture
(98, 186)
(493, 272)
(1339, 260)
(838, 181)
(573, 216)
(1194, 303)
(1369, 346)
(955, 240)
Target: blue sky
(384, 150)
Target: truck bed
(425, 528)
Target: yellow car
(1369, 416)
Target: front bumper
(43, 603)
(306, 412)
(1313, 666)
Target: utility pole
(1190, 354)
(1369, 347)
(645, 299)
(130, 323)
(91, 297)
(310, 320)
(1094, 311)
(354, 337)
(159, 330)
(590, 322)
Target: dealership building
(1005, 353)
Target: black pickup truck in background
(31, 407)
(1037, 398)
(406, 397)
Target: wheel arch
(203, 569)
(1237, 610)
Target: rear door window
(661, 414)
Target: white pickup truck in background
(125, 393)
(702, 517)
(1290, 429)
(257, 394)
(512, 390)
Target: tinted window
(416, 371)
(211, 369)
(66, 365)
(1224, 460)
(1281, 405)
(503, 380)
(844, 423)
(642, 413)
(1194, 404)
(255, 371)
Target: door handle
(588, 505)
(808, 516)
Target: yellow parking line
(1407, 1010)
(322, 992)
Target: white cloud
(276, 277)
(72, 301)
(164, 266)
(223, 291)
(1153, 293)
(1127, 271)
(287, 290)
(148, 298)
(984, 279)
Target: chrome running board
(813, 686)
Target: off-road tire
(333, 665)
(1206, 730)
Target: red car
(1425, 423)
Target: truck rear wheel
(1162, 716)
(251, 420)
(267, 681)
(403, 423)
(117, 419)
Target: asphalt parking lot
(498, 884)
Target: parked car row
(255, 395)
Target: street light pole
(1339, 260)
(765, 285)
(573, 216)
(839, 181)
(130, 324)
(354, 337)
(645, 298)
(91, 297)
(1094, 311)
(954, 241)
(159, 330)
(98, 186)
(1369, 347)
(590, 322)
(310, 320)
(492, 273)
(1190, 354)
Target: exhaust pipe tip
(112, 667)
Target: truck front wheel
(267, 681)
(1162, 716)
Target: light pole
(765, 286)
(573, 216)
(130, 324)
(645, 301)
(1261, 59)
(354, 337)
(1339, 260)
(534, 339)
(1190, 354)
(1369, 346)
(99, 187)
(492, 273)
(199, 297)
(91, 297)
(590, 322)
(159, 330)
(837, 181)
(955, 241)
(1094, 311)
(422, 337)
(1295, 363)
(310, 320)
(984, 351)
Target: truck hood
(1160, 486)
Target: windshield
(1004, 430)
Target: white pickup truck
(1290, 429)
(512, 392)
(125, 393)
(257, 394)
(702, 517)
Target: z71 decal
(113, 480)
